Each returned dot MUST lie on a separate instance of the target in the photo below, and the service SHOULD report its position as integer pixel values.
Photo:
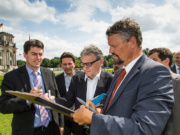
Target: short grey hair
(126, 29)
(92, 49)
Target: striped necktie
(120, 78)
(43, 112)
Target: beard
(118, 60)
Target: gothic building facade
(7, 52)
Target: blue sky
(70, 25)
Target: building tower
(7, 52)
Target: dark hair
(32, 43)
(126, 29)
(67, 55)
(163, 53)
(92, 49)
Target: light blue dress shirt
(37, 121)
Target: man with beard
(140, 97)
(63, 81)
(117, 64)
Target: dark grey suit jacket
(78, 88)
(141, 105)
(23, 115)
(173, 123)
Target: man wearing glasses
(88, 84)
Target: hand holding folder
(42, 101)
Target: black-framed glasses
(88, 64)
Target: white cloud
(81, 14)
(160, 24)
(21, 10)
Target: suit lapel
(83, 87)
(45, 78)
(130, 75)
(25, 78)
(100, 84)
(63, 85)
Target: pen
(84, 103)
(49, 92)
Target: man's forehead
(88, 57)
(67, 60)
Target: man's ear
(74, 63)
(24, 54)
(101, 61)
(133, 42)
(167, 60)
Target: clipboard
(41, 101)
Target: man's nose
(111, 50)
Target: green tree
(110, 62)
(20, 63)
(46, 62)
(105, 63)
(146, 51)
(78, 62)
(55, 62)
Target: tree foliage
(20, 63)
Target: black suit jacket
(78, 88)
(173, 68)
(60, 81)
(23, 115)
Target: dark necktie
(120, 78)
(179, 70)
(43, 112)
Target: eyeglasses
(88, 64)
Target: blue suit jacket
(173, 68)
(142, 104)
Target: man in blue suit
(143, 100)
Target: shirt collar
(68, 75)
(131, 64)
(29, 70)
(97, 76)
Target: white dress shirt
(91, 86)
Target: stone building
(7, 52)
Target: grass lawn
(5, 123)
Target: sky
(70, 25)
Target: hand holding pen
(84, 103)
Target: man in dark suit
(28, 118)
(88, 84)
(176, 67)
(164, 56)
(140, 98)
(63, 81)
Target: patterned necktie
(120, 78)
(43, 112)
